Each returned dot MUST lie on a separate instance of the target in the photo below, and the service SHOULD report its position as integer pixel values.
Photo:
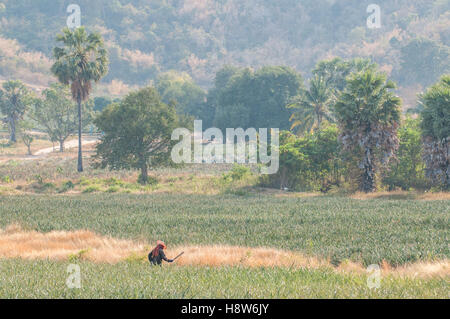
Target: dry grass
(401, 195)
(217, 256)
(434, 196)
(61, 245)
(296, 194)
(422, 269)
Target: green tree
(234, 100)
(326, 167)
(237, 115)
(180, 88)
(137, 133)
(27, 139)
(309, 162)
(25, 134)
(57, 114)
(436, 131)
(263, 94)
(408, 169)
(14, 102)
(293, 162)
(335, 71)
(221, 79)
(81, 61)
(101, 102)
(312, 106)
(368, 114)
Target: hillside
(146, 38)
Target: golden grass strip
(84, 244)
(60, 245)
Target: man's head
(161, 244)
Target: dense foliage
(57, 113)
(257, 99)
(436, 131)
(310, 162)
(180, 89)
(137, 133)
(407, 170)
(312, 107)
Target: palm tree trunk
(12, 125)
(80, 151)
(368, 182)
(319, 119)
(446, 168)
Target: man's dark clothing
(157, 260)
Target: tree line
(345, 127)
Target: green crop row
(47, 279)
(337, 228)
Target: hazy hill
(146, 37)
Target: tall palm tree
(81, 60)
(312, 107)
(13, 104)
(368, 114)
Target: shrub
(149, 180)
(66, 186)
(113, 189)
(113, 182)
(311, 162)
(238, 172)
(91, 189)
(43, 187)
(407, 171)
(7, 179)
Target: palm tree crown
(312, 107)
(83, 59)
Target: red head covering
(159, 245)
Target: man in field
(157, 255)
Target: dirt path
(42, 153)
(67, 145)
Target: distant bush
(407, 171)
(311, 162)
(91, 189)
(66, 186)
(6, 179)
(113, 189)
(43, 187)
(238, 172)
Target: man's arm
(163, 256)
